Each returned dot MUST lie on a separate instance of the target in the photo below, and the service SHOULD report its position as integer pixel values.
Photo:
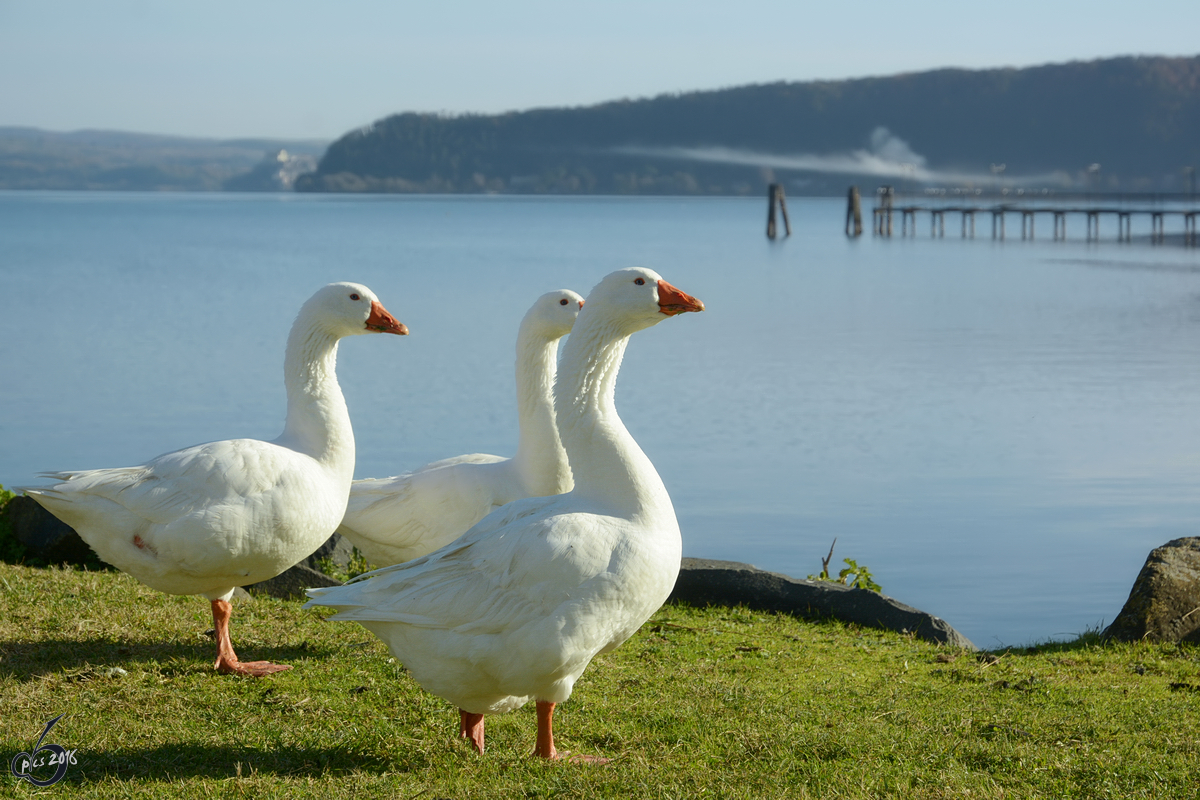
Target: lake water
(999, 431)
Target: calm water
(999, 431)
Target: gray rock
(1164, 604)
(44, 536)
(703, 582)
(291, 583)
(337, 548)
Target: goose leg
(545, 738)
(227, 660)
(470, 726)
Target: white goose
(403, 517)
(517, 607)
(216, 516)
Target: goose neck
(318, 423)
(606, 462)
(540, 460)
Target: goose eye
(562, 302)
(355, 296)
(639, 281)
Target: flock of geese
(499, 579)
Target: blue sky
(315, 70)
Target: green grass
(700, 703)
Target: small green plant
(357, 566)
(862, 578)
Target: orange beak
(671, 301)
(381, 321)
(581, 304)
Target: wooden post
(853, 212)
(886, 196)
(787, 225)
(776, 197)
(772, 191)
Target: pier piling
(853, 212)
(883, 212)
(1124, 227)
(776, 197)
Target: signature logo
(44, 755)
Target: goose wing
(195, 508)
(516, 566)
(406, 516)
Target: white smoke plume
(888, 156)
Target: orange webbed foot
(251, 669)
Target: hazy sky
(303, 69)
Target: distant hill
(111, 160)
(1134, 121)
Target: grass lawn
(700, 703)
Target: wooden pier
(1119, 208)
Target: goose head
(553, 314)
(637, 298)
(349, 309)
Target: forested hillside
(1138, 119)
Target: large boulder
(44, 536)
(703, 582)
(1164, 604)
